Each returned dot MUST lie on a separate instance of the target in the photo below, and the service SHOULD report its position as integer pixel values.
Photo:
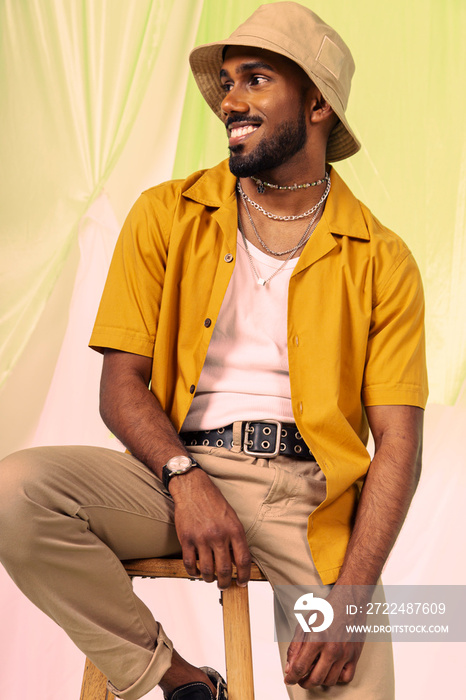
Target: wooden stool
(236, 629)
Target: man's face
(264, 108)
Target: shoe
(201, 691)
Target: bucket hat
(294, 31)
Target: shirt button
(228, 257)
(296, 340)
(300, 406)
(207, 323)
(192, 389)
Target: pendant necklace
(305, 237)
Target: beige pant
(69, 514)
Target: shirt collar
(211, 187)
(343, 214)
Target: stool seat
(236, 629)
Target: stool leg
(238, 652)
(94, 685)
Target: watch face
(181, 462)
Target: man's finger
(347, 672)
(189, 560)
(333, 677)
(206, 563)
(223, 567)
(293, 650)
(242, 559)
(301, 664)
(318, 673)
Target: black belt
(267, 438)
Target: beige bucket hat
(294, 31)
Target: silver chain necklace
(282, 252)
(275, 217)
(307, 234)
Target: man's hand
(315, 658)
(209, 530)
(310, 664)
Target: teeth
(242, 130)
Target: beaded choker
(262, 184)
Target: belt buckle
(254, 453)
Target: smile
(239, 133)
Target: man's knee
(22, 470)
(16, 471)
(25, 479)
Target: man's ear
(320, 109)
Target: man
(274, 319)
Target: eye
(226, 87)
(258, 79)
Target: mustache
(232, 118)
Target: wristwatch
(177, 465)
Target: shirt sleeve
(129, 309)
(395, 371)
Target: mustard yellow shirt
(355, 323)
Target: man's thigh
(121, 501)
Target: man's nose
(234, 101)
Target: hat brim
(206, 61)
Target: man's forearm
(386, 496)
(207, 527)
(133, 413)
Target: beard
(288, 139)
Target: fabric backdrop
(97, 105)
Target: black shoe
(201, 691)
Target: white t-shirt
(246, 375)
